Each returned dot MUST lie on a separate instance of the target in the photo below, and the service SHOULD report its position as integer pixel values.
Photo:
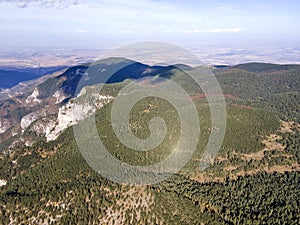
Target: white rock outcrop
(28, 119)
(4, 126)
(33, 97)
(73, 112)
(3, 183)
(59, 95)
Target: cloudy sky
(79, 23)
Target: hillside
(13, 76)
(265, 67)
(253, 180)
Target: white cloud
(125, 31)
(45, 3)
(228, 30)
(80, 31)
(215, 30)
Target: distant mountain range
(12, 76)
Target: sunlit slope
(254, 178)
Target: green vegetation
(276, 91)
(265, 67)
(139, 120)
(254, 179)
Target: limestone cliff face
(4, 125)
(47, 106)
(28, 119)
(50, 120)
(33, 98)
(70, 114)
(60, 96)
(23, 104)
(28, 102)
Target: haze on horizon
(102, 24)
(76, 23)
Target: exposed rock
(44, 126)
(16, 143)
(4, 126)
(27, 120)
(74, 111)
(3, 183)
(29, 143)
(60, 96)
(27, 86)
(33, 97)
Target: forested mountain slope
(253, 180)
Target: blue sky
(79, 23)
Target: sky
(88, 24)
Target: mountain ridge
(56, 91)
(254, 178)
